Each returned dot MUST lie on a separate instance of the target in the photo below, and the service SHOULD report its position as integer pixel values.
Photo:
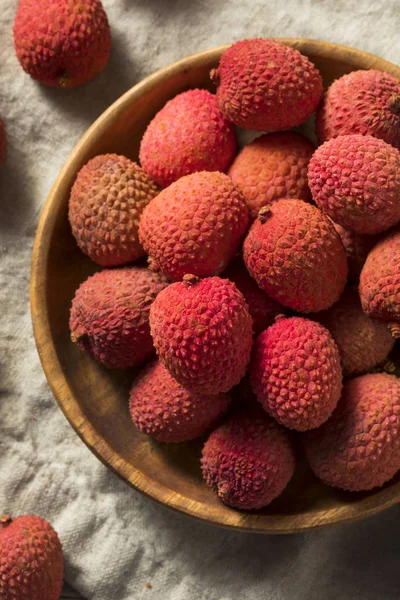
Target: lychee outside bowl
(95, 400)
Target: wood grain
(93, 399)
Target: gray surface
(115, 540)
(69, 594)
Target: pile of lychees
(254, 258)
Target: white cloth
(116, 540)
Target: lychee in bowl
(94, 399)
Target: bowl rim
(250, 522)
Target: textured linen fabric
(116, 540)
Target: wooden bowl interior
(94, 399)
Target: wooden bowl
(95, 400)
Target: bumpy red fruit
(164, 409)
(295, 255)
(31, 559)
(355, 179)
(110, 315)
(357, 247)
(195, 225)
(3, 143)
(363, 342)
(262, 308)
(202, 331)
(189, 134)
(380, 282)
(296, 373)
(358, 448)
(249, 460)
(62, 43)
(265, 85)
(365, 102)
(272, 167)
(106, 203)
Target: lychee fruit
(31, 559)
(189, 134)
(272, 167)
(195, 225)
(107, 199)
(265, 85)
(262, 308)
(295, 255)
(62, 43)
(248, 460)
(358, 448)
(380, 282)
(3, 143)
(355, 179)
(296, 374)
(202, 331)
(168, 412)
(363, 342)
(365, 102)
(109, 316)
(357, 246)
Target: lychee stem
(5, 520)
(280, 317)
(394, 106)
(224, 489)
(264, 213)
(190, 279)
(63, 79)
(214, 76)
(78, 334)
(389, 367)
(153, 265)
(394, 329)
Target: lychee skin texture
(168, 412)
(380, 280)
(109, 316)
(355, 179)
(31, 559)
(189, 134)
(3, 143)
(265, 85)
(365, 102)
(358, 448)
(202, 331)
(248, 460)
(106, 203)
(195, 225)
(262, 308)
(296, 257)
(272, 167)
(62, 43)
(357, 247)
(363, 342)
(296, 374)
